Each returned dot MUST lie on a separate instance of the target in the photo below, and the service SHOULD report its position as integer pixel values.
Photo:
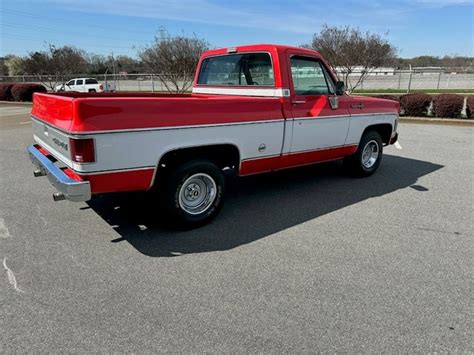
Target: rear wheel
(193, 194)
(367, 158)
(92, 90)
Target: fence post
(399, 78)
(447, 83)
(439, 79)
(152, 84)
(409, 81)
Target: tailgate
(52, 117)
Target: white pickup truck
(85, 85)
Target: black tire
(92, 90)
(174, 204)
(354, 164)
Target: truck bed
(81, 113)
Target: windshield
(237, 69)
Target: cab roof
(257, 47)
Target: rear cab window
(243, 69)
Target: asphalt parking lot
(298, 261)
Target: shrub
(448, 105)
(470, 106)
(6, 91)
(24, 92)
(415, 104)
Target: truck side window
(79, 82)
(310, 77)
(70, 83)
(91, 81)
(237, 69)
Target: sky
(415, 27)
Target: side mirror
(340, 88)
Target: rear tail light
(101, 87)
(82, 150)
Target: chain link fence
(403, 80)
(407, 80)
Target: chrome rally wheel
(370, 154)
(197, 193)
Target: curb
(440, 121)
(16, 103)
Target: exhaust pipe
(58, 196)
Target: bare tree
(175, 59)
(56, 64)
(349, 48)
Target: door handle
(298, 102)
(357, 106)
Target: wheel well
(384, 129)
(223, 155)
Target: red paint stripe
(285, 161)
(135, 180)
(255, 166)
(317, 156)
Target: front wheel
(193, 194)
(367, 158)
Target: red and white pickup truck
(253, 109)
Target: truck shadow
(257, 206)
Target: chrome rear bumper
(68, 188)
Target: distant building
(356, 71)
(428, 70)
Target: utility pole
(114, 72)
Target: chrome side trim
(321, 117)
(111, 171)
(376, 114)
(348, 115)
(83, 133)
(72, 190)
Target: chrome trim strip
(82, 133)
(320, 117)
(348, 115)
(261, 157)
(111, 171)
(376, 114)
(301, 152)
(71, 189)
(318, 149)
